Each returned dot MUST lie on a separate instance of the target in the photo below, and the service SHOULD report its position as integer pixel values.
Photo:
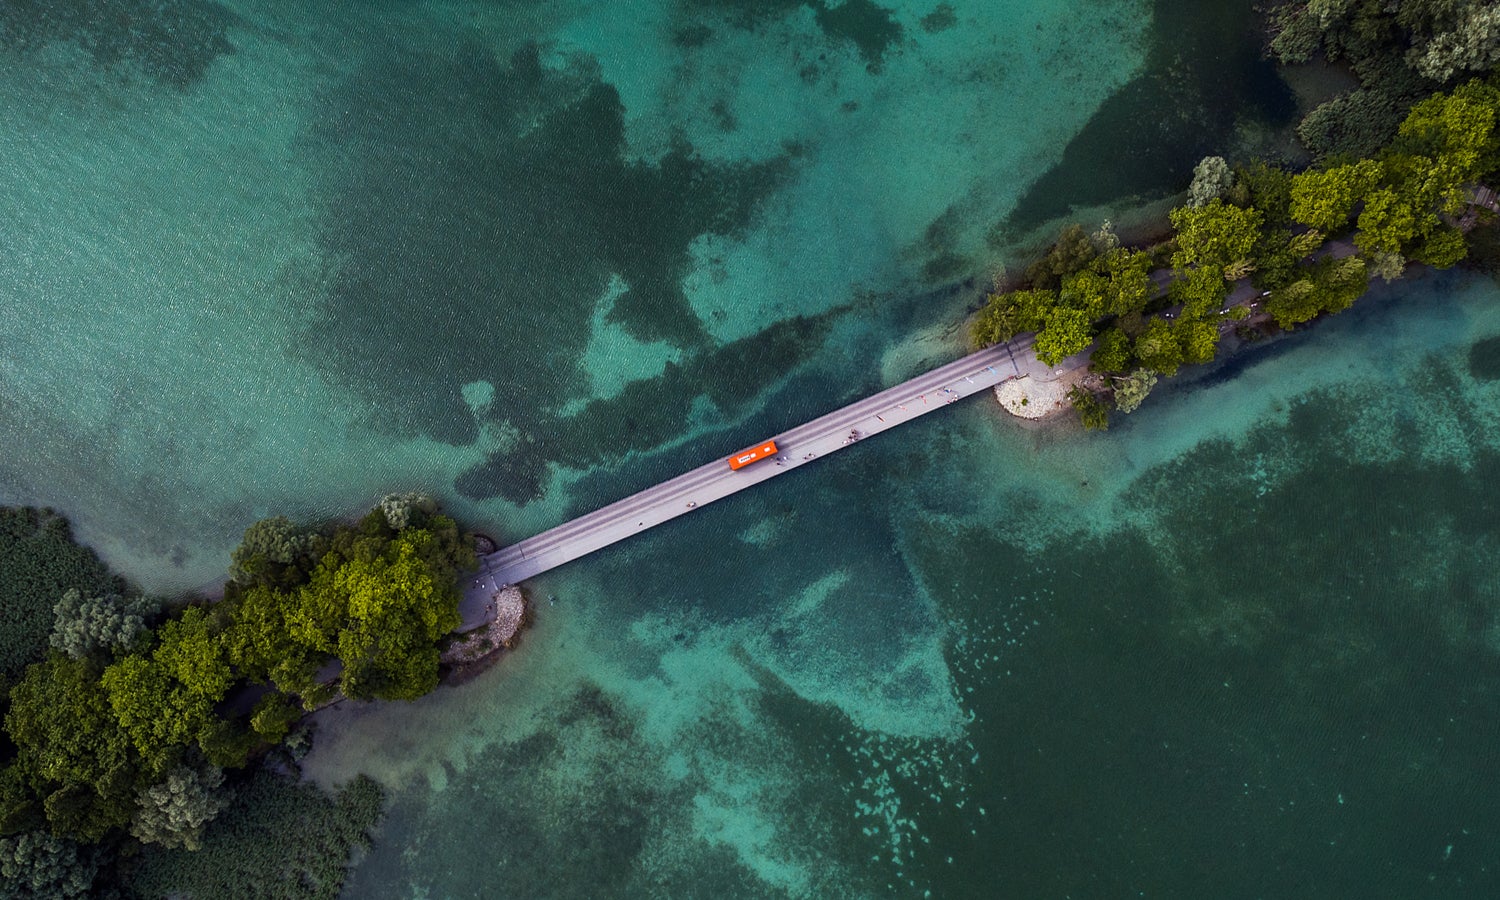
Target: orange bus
(746, 457)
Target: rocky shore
(507, 611)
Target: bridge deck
(799, 446)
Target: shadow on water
(479, 209)
(1204, 76)
(172, 42)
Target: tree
(1268, 189)
(273, 717)
(174, 811)
(1473, 46)
(382, 616)
(1131, 391)
(1085, 291)
(1443, 248)
(1068, 331)
(997, 321)
(1388, 266)
(39, 561)
(1331, 285)
(1091, 410)
(1324, 199)
(165, 700)
(71, 751)
(260, 643)
(1457, 129)
(1072, 252)
(1212, 179)
(1390, 222)
(83, 625)
(1357, 124)
(1214, 235)
(1007, 315)
(1201, 291)
(1293, 304)
(280, 838)
(1199, 340)
(403, 510)
(1159, 348)
(1130, 286)
(1034, 307)
(1113, 354)
(36, 865)
(268, 550)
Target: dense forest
(154, 745)
(1397, 166)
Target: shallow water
(532, 257)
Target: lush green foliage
(1214, 235)
(1399, 51)
(75, 765)
(39, 562)
(1159, 347)
(1073, 251)
(1114, 353)
(1323, 199)
(129, 727)
(273, 551)
(1131, 391)
(377, 599)
(1401, 204)
(1092, 411)
(278, 840)
(1067, 332)
(1212, 179)
(38, 866)
(85, 625)
(173, 812)
(1104, 280)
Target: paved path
(801, 445)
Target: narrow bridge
(699, 487)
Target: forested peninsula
(152, 745)
(1395, 173)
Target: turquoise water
(257, 258)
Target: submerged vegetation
(121, 736)
(1308, 243)
(39, 563)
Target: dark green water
(258, 257)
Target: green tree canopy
(71, 751)
(382, 616)
(1131, 391)
(1159, 347)
(174, 811)
(1324, 199)
(1457, 128)
(165, 700)
(1068, 331)
(107, 622)
(1073, 251)
(1201, 291)
(1114, 353)
(1214, 235)
(39, 562)
(1085, 291)
(1092, 411)
(1130, 285)
(273, 552)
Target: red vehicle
(745, 457)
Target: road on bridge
(699, 487)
